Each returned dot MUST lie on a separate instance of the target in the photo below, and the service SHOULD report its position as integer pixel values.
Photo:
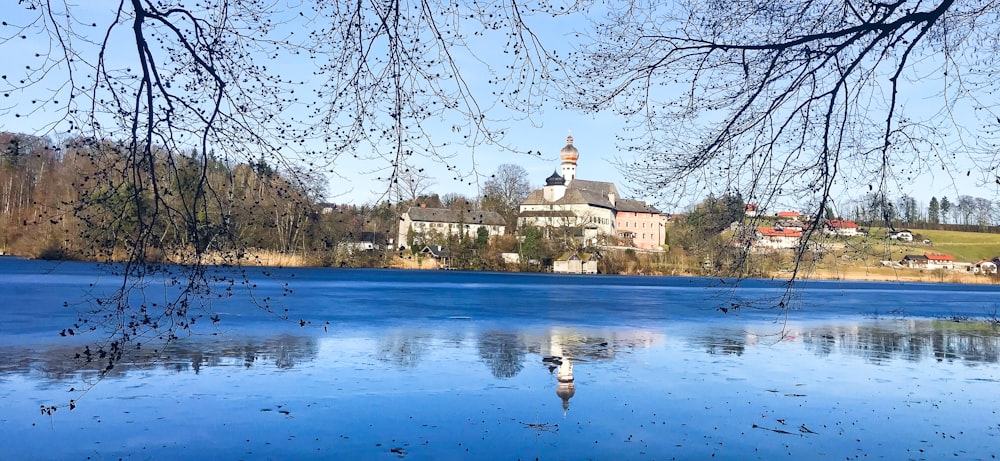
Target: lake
(452, 365)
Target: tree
(458, 202)
(982, 211)
(411, 184)
(965, 210)
(934, 211)
(504, 191)
(796, 98)
(532, 249)
(715, 214)
(482, 237)
(908, 208)
(946, 209)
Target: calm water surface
(448, 365)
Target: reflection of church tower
(565, 388)
(569, 155)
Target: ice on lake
(449, 365)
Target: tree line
(77, 199)
(964, 213)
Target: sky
(358, 182)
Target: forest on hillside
(77, 199)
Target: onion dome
(555, 180)
(569, 153)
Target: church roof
(555, 180)
(444, 215)
(548, 214)
(598, 187)
(573, 196)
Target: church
(595, 207)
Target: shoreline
(856, 274)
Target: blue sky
(545, 132)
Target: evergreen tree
(934, 211)
(945, 209)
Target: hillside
(860, 258)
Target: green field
(964, 246)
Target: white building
(575, 263)
(428, 222)
(569, 202)
(777, 238)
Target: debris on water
(541, 427)
(554, 360)
(777, 431)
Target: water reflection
(563, 365)
(910, 340)
(62, 363)
(876, 342)
(505, 353)
(502, 352)
(402, 349)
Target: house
(594, 208)
(357, 247)
(940, 261)
(984, 267)
(439, 253)
(752, 210)
(426, 223)
(576, 263)
(840, 228)
(776, 238)
(640, 222)
(903, 236)
(929, 261)
(788, 215)
(789, 224)
(914, 261)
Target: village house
(777, 238)
(840, 228)
(425, 223)
(595, 207)
(789, 224)
(902, 235)
(984, 267)
(439, 253)
(788, 215)
(929, 261)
